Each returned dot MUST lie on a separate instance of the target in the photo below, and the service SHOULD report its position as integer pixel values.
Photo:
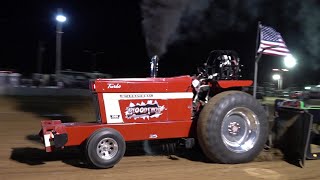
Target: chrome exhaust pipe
(154, 66)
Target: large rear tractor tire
(232, 128)
(105, 148)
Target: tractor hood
(142, 85)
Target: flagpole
(256, 62)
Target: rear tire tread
(208, 128)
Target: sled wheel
(232, 128)
(105, 148)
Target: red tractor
(210, 111)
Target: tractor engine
(220, 65)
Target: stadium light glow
(290, 61)
(61, 18)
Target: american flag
(269, 38)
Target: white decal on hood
(144, 110)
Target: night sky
(181, 32)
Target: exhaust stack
(154, 66)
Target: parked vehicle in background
(292, 92)
(284, 93)
(78, 79)
(9, 78)
(313, 91)
(260, 91)
(298, 95)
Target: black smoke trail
(176, 21)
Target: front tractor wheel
(232, 128)
(105, 148)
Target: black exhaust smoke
(168, 21)
(160, 21)
(174, 21)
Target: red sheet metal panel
(79, 132)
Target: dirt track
(22, 156)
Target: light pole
(277, 77)
(289, 62)
(280, 78)
(60, 19)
